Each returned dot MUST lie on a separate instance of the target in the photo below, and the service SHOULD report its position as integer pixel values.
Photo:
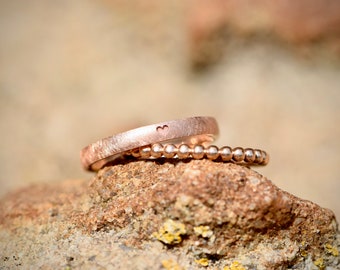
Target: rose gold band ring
(191, 131)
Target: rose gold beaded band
(239, 155)
(193, 130)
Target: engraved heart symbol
(162, 129)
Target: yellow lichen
(303, 246)
(203, 231)
(202, 261)
(332, 250)
(170, 233)
(171, 265)
(235, 265)
(303, 253)
(320, 263)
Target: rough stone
(175, 215)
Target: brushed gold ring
(191, 131)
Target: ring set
(177, 139)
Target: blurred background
(72, 72)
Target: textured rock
(85, 51)
(185, 215)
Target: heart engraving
(162, 129)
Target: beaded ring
(239, 155)
(177, 139)
(192, 130)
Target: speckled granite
(154, 215)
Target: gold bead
(198, 152)
(226, 153)
(145, 152)
(135, 153)
(156, 150)
(265, 158)
(212, 152)
(258, 156)
(238, 154)
(249, 155)
(183, 151)
(170, 151)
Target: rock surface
(94, 60)
(166, 215)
